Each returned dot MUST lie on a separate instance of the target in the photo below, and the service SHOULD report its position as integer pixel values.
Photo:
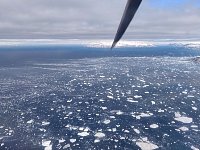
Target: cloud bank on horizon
(94, 19)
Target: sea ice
(83, 134)
(146, 145)
(111, 97)
(96, 140)
(137, 131)
(45, 123)
(99, 135)
(184, 119)
(194, 108)
(72, 140)
(154, 126)
(194, 148)
(183, 129)
(66, 146)
(106, 121)
(138, 96)
(47, 144)
(30, 121)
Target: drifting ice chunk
(45, 123)
(72, 140)
(146, 146)
(99, 135)
(138, 96)
(106, 121)
(47, 144)
(194, 148)
(154, 126)
(183, 129)
(83, 134)
(30, 121)
(180, 118)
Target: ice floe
(106, 121)
(96, 140)
(137, 131)
(144, 144)
(154, 126)
(61, 141)
(194, 108)
(183, 129)
(72, 140)
(137, 96)
(182, 119)
(30, 121)
(47, 144)
(142, 115)
(83, 134)
(66, 146)
(45, 123)
(194, 148)
(99, 135)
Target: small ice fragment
(194, 148)
(96, 140)
(138, 96)
(81, 128)
(190, 96)
(106, 121)
(194, 126)
(83, 134)
(61, 141)
(72, 140)
(99, 135)
(30, 121)
(119, 112)
(45, 123)
(66, 146)
(114, 129)
(138, 117)
(132, 101)
(102, 76)
(43, 130)
(194, 108)
(183, 129)
(86, 129)
(126, 131)
(145, 115)
(47, 144)
(111, 97)
(104, 108)
(160, 110)
(177, 114)
(184, 119)
(147, 145)
(154, 126)
(137, 131)
(184, 92)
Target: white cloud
(95, 19)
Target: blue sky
(98, 19)
(168, 3)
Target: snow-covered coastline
(101, 43)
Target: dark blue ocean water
(73, 97)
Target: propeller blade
(130, 10)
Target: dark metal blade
(130, 10)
